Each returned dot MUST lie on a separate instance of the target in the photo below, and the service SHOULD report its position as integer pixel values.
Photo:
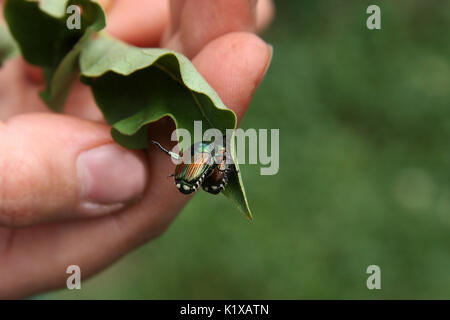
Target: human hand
(69, 195)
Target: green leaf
(8, 47)
(134, 87)
(40, 29)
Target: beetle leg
(171, 154)
(233, 166)
(209, 174)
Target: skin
(43, 226)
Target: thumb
(56, 167)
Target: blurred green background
(364, 119)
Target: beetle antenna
(171, 154)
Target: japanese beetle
(210, 166)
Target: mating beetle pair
(210, 167)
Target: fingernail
(269, 60)
(109, 177)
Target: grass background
(364, 119)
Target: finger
(202, 21)
(140, 23)
(34, 73)
(43, 252)
(234, 65)
(81, 103)
(106, 4)
(19, 94)
(175, 11)
(57, 167)
(16, 94)
(265, 11)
